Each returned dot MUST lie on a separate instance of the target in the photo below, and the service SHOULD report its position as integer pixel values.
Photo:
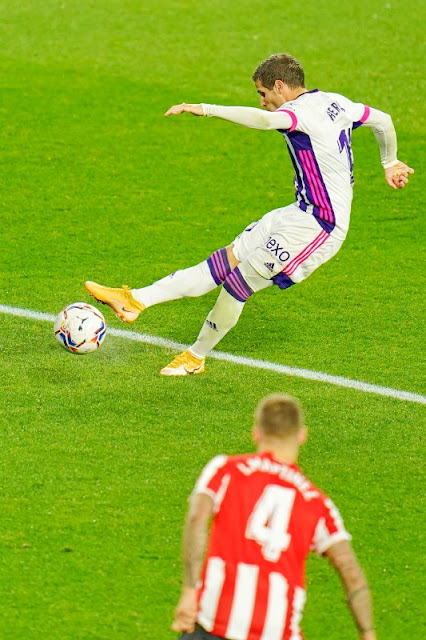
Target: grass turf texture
(99, 452)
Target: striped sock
(236, 286)
(219, 265)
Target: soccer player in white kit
(289, 243)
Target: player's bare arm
(343, 559)
(194, 545)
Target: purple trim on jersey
(236, 286)
(219, 265)
(282, 281)
(363, 118)
(299, 140)
(297, 177)
(292, 116)
(327, 226)
(318, 188)
(311, 91)
(301, 202)
(315, 189)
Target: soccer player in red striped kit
(266, 518)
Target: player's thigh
(254, 235)
(302, 266)
(288, 235)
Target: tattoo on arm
(195, 539)
(353, 595)
(354, 582)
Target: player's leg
(282, 249)
(191, 282)
(237, 288)
(239, 285)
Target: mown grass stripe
(307, 374)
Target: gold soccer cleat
(120, 300)
(184, 365)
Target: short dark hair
(279, 415)
(280, 66)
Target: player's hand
(177, 109)
(397, 176)
(186, 612)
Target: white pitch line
(296, 372)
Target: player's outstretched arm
(194, 545)
(343, 559)
(246, 116)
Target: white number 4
(269, 521)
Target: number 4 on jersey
(268, 523)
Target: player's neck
(287, 453)
(295, 93)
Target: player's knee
(245, 280)
(237, 286)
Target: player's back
(320, 146)
(268, 516)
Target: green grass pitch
(99, 453)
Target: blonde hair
(279, 415)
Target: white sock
(224, 315)
(186, 283)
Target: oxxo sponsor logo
(277, 250)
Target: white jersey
(318, 129)
(319, 141)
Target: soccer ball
(80, 328)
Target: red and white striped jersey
(267, 517)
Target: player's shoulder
(249, 463)
(305, 100)
(240, 460)
(226, 462)
(308, 109)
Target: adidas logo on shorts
(270, 265)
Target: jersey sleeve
(330, 528)
(356, 111)
(249, 116)
(214, 480)
(290, 111)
